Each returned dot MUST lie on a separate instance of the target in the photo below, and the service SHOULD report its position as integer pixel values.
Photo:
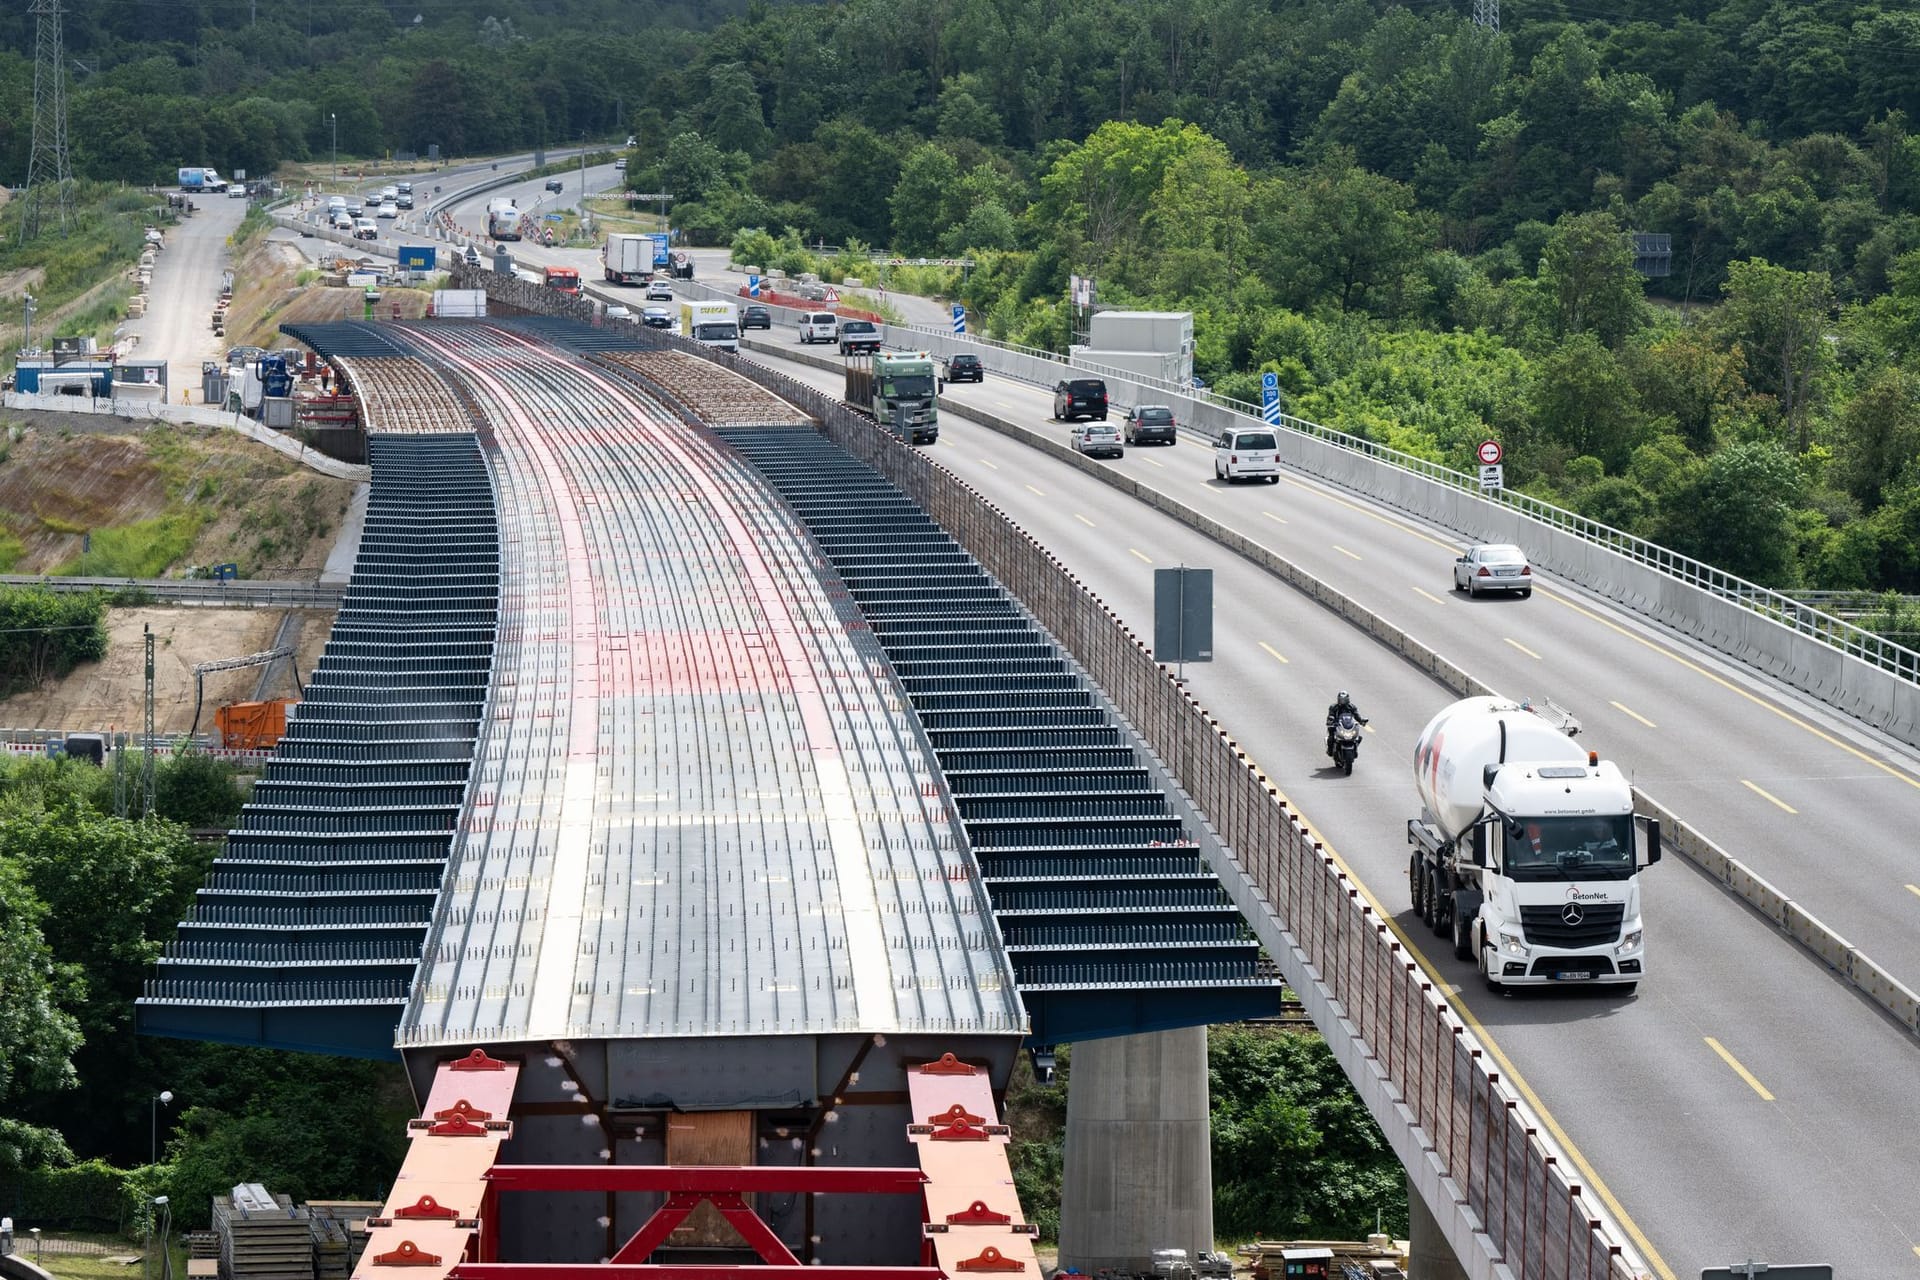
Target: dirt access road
(186, 283)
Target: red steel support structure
(441, 1217)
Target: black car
(754, 316)
(965, 368)
(1080, 398)
(554, 184)
(1151, 424)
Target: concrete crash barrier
(1601, 566)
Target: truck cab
(1527, 853)
(563, 280)
(711, 324)
(901, 390)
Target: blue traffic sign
(1269, 381)
(959, 318)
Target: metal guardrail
(1797, 614)
(233, 594)
(1464, 1136)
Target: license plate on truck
(1574, 975)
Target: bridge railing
(1464, 1136)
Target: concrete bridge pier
(1429, 1255)
(1139, 1170)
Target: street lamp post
(334, 122)
(164, 1098)
(27, 309)
(164, 1211)
(160, 1099)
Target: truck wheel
(1462, 930)
(1442, 910)
(1414, 882)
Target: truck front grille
(1547, 926)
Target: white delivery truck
(1525, 852)
(627, 259)
(711, 324)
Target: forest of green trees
(1419, 225)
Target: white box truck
(627, 259)
(711, 324)
(1525, 852)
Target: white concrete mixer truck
(1527, 852)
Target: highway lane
(1820, 806)
(1707, 1168)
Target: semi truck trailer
(627, 259)
(1527, 852)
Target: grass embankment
(55, 1257)
(79, 281)
(617, 215)
(149, 504)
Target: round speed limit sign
(1490, 453)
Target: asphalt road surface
(1745, 1102)
(186, 283)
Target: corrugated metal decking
(701, 807)
(308, 930)
(1113, 920)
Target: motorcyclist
(1342, 705)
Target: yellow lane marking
(1343, 551)
(1731, 687)
(1036, 492)
(1626, 710)
(1522, 648)
(1276, 519)
(1150, 462)
(988, 465)
(1139, 555)
(1276, 653)
(1429, 595)
(1768, 796)
(1914, 889)
(1083, 520)
(948, 444)
(1738, 1070)
(1479, 1029)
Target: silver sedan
(1493, 566)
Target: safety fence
(223, 594)
(1518, 1207)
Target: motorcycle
(1346, 742)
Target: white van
(819, 326)
(1247, 453)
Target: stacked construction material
(339, 1234)
(262, 1236)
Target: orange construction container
(252, 726)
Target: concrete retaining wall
(198, 415)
